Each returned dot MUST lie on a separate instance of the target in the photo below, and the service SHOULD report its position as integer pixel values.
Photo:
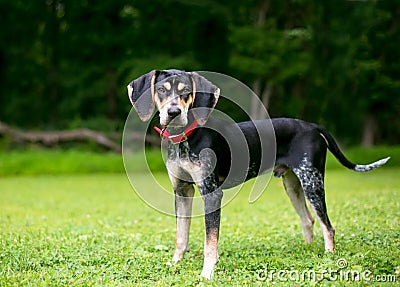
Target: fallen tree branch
(53, 137)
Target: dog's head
(174, 93)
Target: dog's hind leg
(316, 199)
(183, 209)
(296, 194)
(312, 181)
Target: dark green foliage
(336, 63)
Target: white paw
(176, 258)
(207, 274)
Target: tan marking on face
(153, 79)
(157, 101)
(167, 85)
(193, 90)
(173, 99)
(189, 100)
(161, 103)
(181, 86)
(183, 104)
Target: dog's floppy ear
(205, 96)
(141, 95)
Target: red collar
(179, 137)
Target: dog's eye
(161, 90)
(186, 91)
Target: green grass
(37, 162)
(92, 230)
(34, 162)
(42, 161)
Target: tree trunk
(265, 96)
(368, 137)
(112, 94)
(53, 137)
(258, 112)
(52, 51)
(256, 87)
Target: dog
(201, 155)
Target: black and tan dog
(184, 101)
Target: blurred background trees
(66, 64)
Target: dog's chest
(184, 164)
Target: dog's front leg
(212, 196)
(183, 208)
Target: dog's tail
(334, 149)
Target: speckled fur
(312, 181)
(300, 157)
(311, 178)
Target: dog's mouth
(172, 125)
(175, 122)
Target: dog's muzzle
(173, 113)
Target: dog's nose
(173, 112)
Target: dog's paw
(176, 258)
(207, 273)
(178, 254)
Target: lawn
(92, 230)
